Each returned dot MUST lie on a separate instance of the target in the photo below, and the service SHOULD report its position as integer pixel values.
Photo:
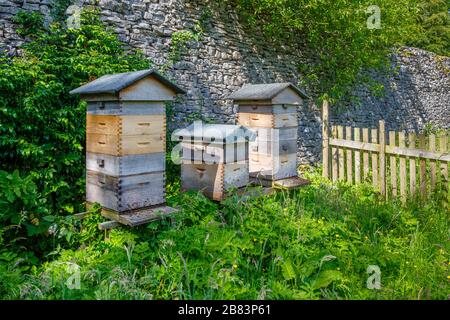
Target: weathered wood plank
(273, 168)
(126, 165)
(148, 89)
(374, 147)
(274, 148)
(412, 165)
(141, 144)
(357, 138)
(143, 124)
(126, 108)
(443, 165)
(268, 109)
(348, 136)
(103, 124)
(141, 216)
(325, 141)
(214, 179)
(393, 164)
(423, 167)
(291, 183)
(365, 154)
(274, 134)
(375, 177)
(402, 144)
(335, 157)
(382, 141)
(125, 193)
(341, 155)
(268, 121)
(432, 148)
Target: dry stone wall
(228, 56)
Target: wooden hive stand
(126, 145)
(270, 110)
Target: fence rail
(397, 163)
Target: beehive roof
(114, 83)
(214, 133)
(264, 91)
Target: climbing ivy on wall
(335, 35)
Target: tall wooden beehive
(271, 111)
(214, 158)
(126, 139)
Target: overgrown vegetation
(339, 43)
(42, 131)
(315, 242)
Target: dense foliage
(42, 127)
(435, 22)
(337, 37)
(315, 242)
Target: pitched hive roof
(264, 91)
(114, 83)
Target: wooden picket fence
(397, 163)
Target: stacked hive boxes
(271, 111)
(214, 158)
(125, 139)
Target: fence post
(325, 141)
(382, 133)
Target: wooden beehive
(126, 139)
(214, 158)
(271, 111)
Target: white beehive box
(271, 111)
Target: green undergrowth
(312, 243)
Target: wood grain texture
(214, 179)
(393, 164)
(402, 144)
(349, 159)
(118, 145)
(432, 148)
(375, 177)
(357, 138)
(125, 193)
(273, 147)
(268, 109)
(341, 161)
(273, 168)
(325, 140)
(382, 142)
(148, 89)
(126, 165)
(334, 157)
(365, 132)
(268, 120)
(126, 108)
(281, 134)
(423, 167)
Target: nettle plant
(42, 127)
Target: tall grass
(312, 243)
